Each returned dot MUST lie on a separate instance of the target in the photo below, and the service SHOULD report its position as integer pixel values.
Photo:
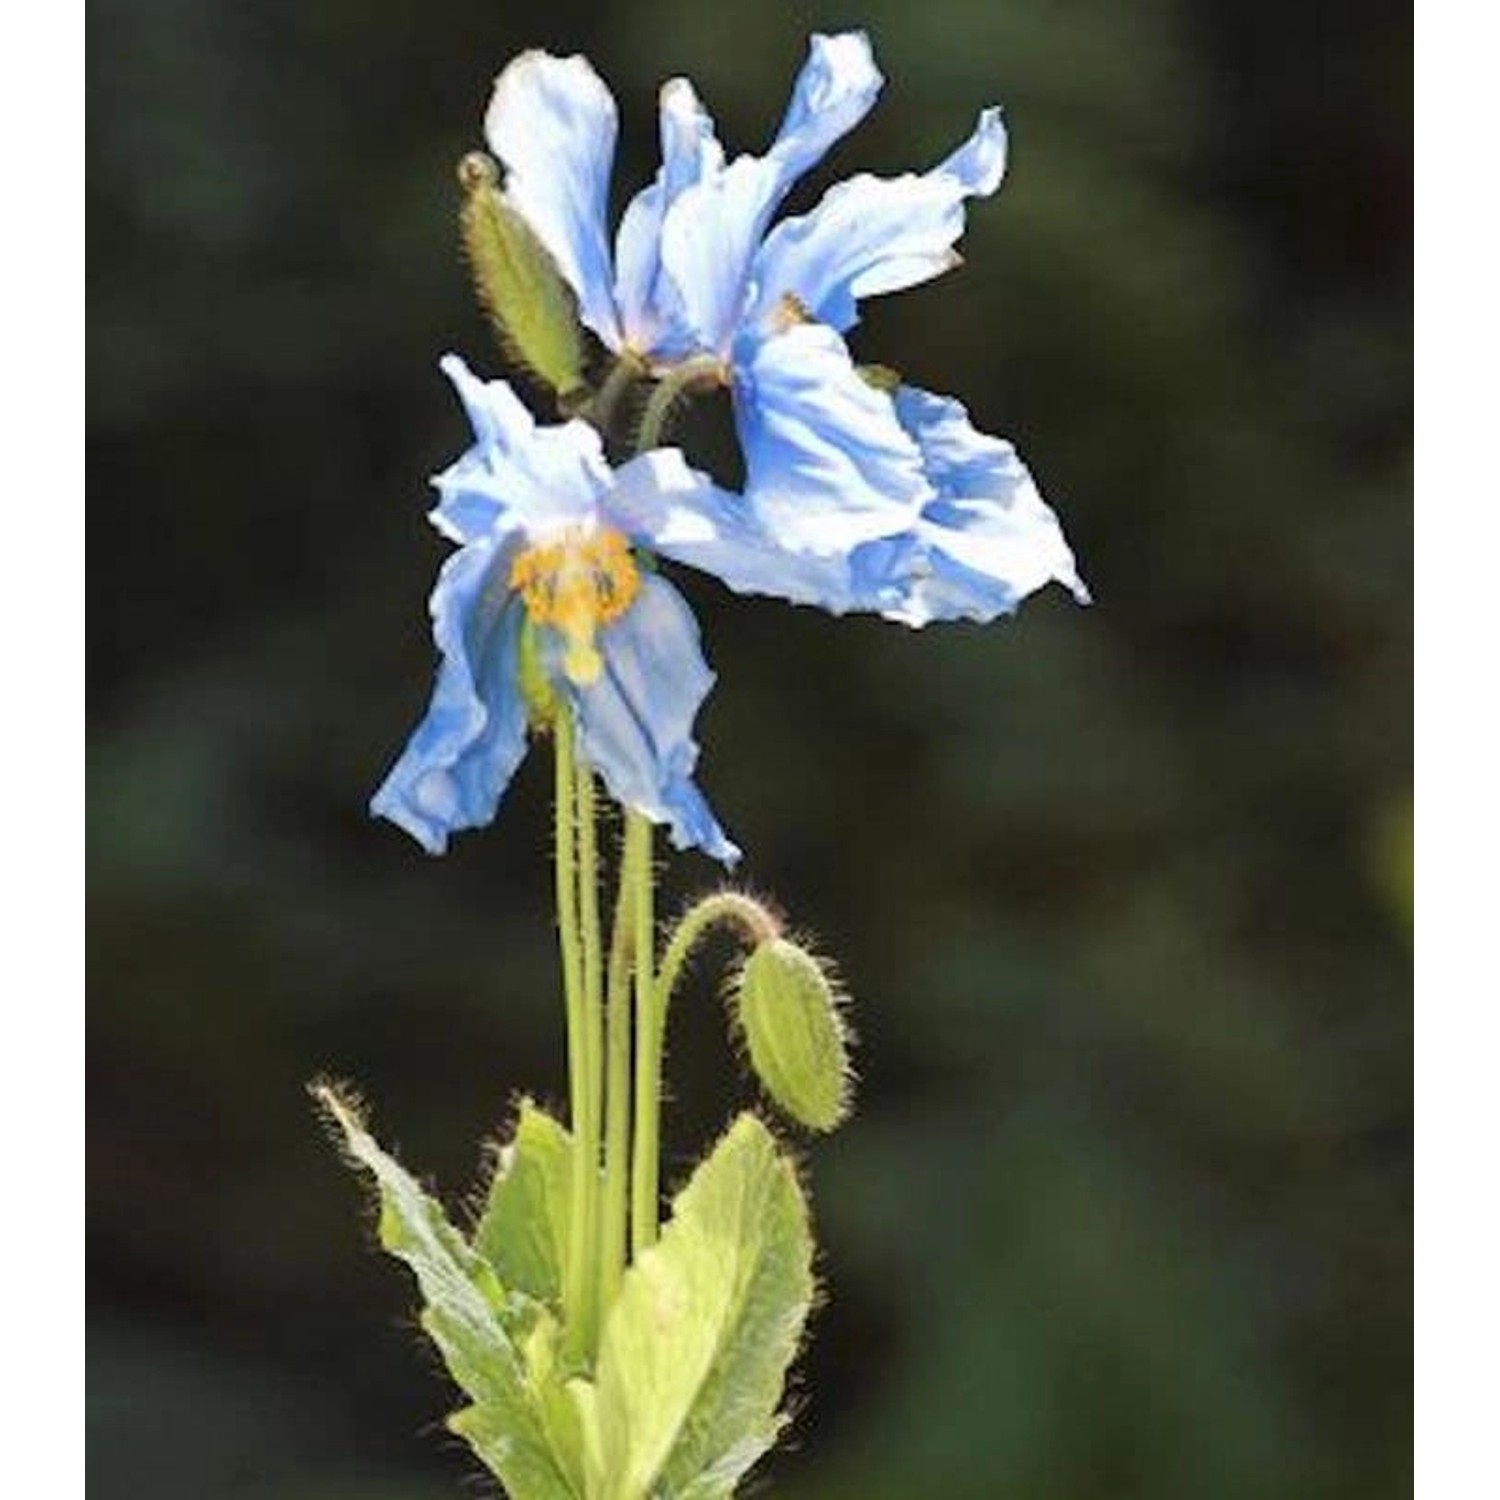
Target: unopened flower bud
(532, 308)
(795, 1033)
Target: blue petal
(827, 465)
(979, 164)
(876, 234)
(710, 232)
(465, 751)
(833, 93)
(678, 513)
(636, 722)
(650, 310)
(517, 475)
(552, 122)
(985, 541)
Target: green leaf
(533, 310)
(475, 1324)
(696, 1348)
(490, 1428)
(523, 1232)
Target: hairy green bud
(794, 1030)
(533, 310)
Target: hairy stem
(702, 371)
(623, 374)
(578, 1284)
(650, 1038)
(732, 908)
(589, 1127)
(617, 1165)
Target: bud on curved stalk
(794, 1029)
(533, 310)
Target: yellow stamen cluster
(578, 583)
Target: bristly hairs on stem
(699, 373)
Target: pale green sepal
(531, 306)
(475, 1323)
(695, 1351)
(795, 1033)
(523, 1231)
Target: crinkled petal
(463, 754)
(710, 233)
(708, 237)
(553, 123)
(871, 235)
(678, 513)
(517, 475)
(833, 93)
(986, 540)
(651, 312)
(636, 721)
(979, 164)
(827, 465)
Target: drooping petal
(651, 315)
(553, 123)
(678, 513)
(636, 721)
(985, 541)
(827, 465)
(517, 475)
(876, 234)
(710, 232)
(463, 754)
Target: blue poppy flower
(677, 280)
(545, 565)
(850, 499)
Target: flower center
(577, 583)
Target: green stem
(617, 1089)
(699, 372)
(653, 996)
(731, 907)
(577, 1282)
(589, 1129)
(650, 1038)
(624, 373)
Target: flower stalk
(723, 908)
(626, 372)
(617, 1047)
(580, 1286)
(700, 373)
(645, 1190)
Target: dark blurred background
(1122, 894)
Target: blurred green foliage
(1122, 895)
